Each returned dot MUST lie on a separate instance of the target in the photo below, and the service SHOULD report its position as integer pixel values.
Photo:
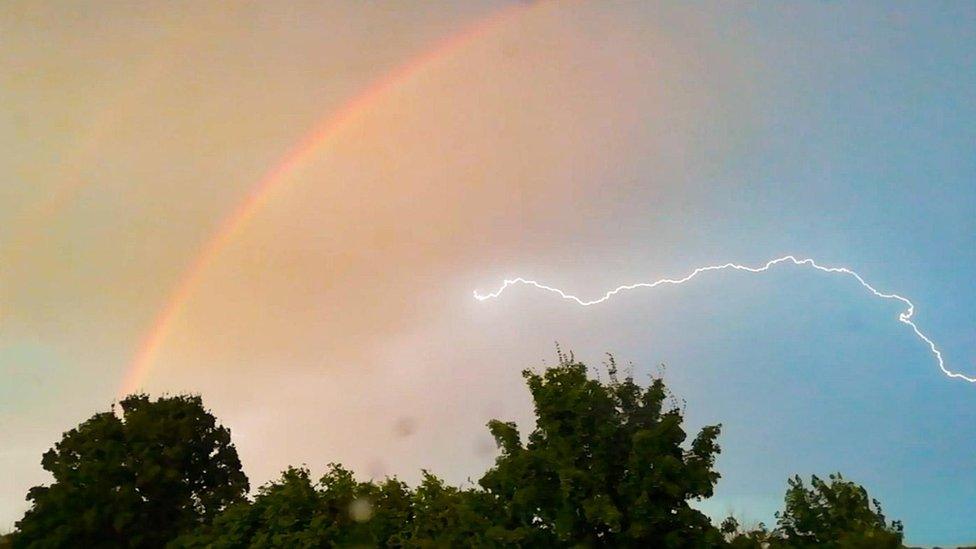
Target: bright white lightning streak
(905, 317)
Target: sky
(286, 209)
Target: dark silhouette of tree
(835, 514)
(444, 516)
(337, 511)
(608, 464)
(163, 467)
(605, 466)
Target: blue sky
(584, 145)
(862, 155)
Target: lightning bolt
(905, 317)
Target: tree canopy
(834, 514)
(607, 464)
(838, 513)
(136, 479)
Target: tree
(605, 466)
(444, 516)
(608, 464)
(837, 513)
(138, 480)
(293, 511)
(737, 538)
(338, 511)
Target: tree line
(608, 464)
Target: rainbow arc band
(328, 131)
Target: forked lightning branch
(905, 317)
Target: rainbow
(326, 132)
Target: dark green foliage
(838, 513)
(134, 481)
(338, 511)
(450, 517)
(295, 512)
(605, 466)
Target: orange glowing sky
(224, 199)
(285, 208)
(319, 138)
